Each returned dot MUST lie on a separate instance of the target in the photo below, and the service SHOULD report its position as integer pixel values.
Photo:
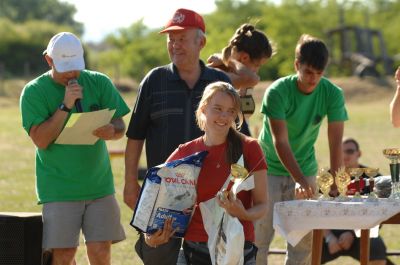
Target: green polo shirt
(71, 172)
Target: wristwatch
(64, 108)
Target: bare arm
(281, 142)
(335, 136)
(119, 128)
(242, 76)
(46, 132)
(259, 195)
(132, 156)
(112, 131)
(395, 104)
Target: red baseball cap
(183, 19)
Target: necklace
(221, 156)
(216, 148)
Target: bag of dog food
(168, 191)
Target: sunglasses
(349, 151)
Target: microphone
(78, 104)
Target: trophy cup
(238, 171)
(238, 174)
(371, 172)
(342, 181)
(324, 182)
(393, 154)
(356, 172)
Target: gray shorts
(99, 220)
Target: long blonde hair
(234, 137)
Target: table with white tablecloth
(294, 219)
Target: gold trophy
(324, 182)
(238, 171)
(342, 181)
(356, 172)
(238, 174)
(393, 154)
(371, 172)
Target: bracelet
(329, 237)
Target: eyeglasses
(349, 151)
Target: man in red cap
(164, 115)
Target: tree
(49, 10)
(22, 45)
(26, 26)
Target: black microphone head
(78, 104)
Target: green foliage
(134, 50)
(47, 10)
(22, 45)
(283, 24)
(26, 26)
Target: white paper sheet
(80, 126)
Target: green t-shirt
(303, 115)
(71, 172)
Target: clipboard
(80, 126)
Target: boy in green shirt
(294, 107)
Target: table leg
(316, 247)
(364, 247)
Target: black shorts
(165, 254)
(197, 253)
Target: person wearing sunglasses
(344, 242)
(351, 156)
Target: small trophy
(324, 182)
(371, 172)
(342, 181)
(393, 154)
(238, 171)
(356, 172)
(238, 174)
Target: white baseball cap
(66, 51)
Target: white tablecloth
(294, 219)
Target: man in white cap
(74, 182)
(164, 116)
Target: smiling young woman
(216, 115)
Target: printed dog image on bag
(168, 191)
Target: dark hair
(235, 148)
(351, 140)
(250, 40)
(312, 51)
